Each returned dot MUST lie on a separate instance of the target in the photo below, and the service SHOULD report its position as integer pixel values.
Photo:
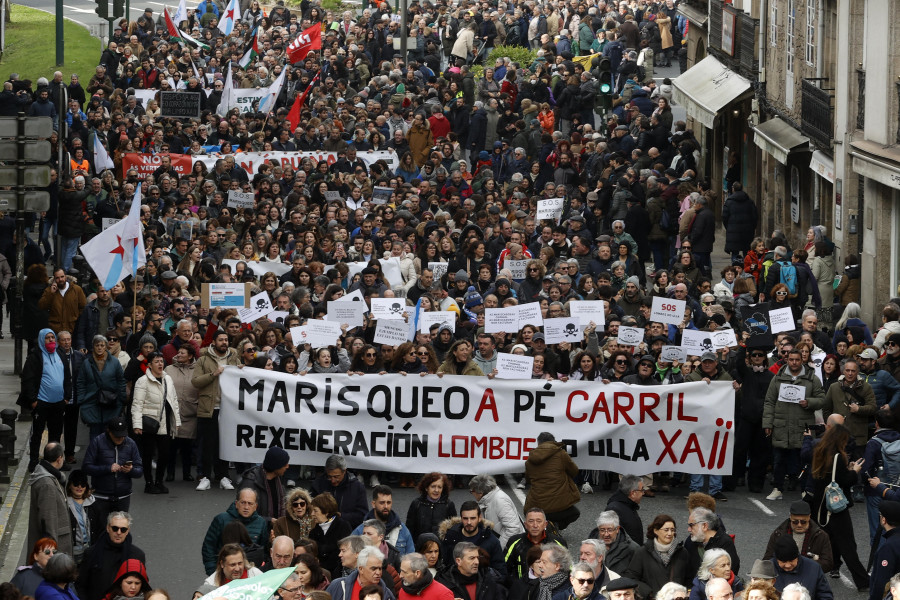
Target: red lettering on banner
(146, 164)
(486, 448)
(646, 407)
(622, 409)
(488, 402)
(600, 407)
(581, 394)
(668, 446)
(692, 447)
(681, 415)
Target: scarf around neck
(548, 584)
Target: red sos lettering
(669, 307)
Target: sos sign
(667, 310)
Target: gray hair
(710, 558)
(98, 338)
(608, 517)
(377, 525)
(629, 483)
(356, 543)
(545, 436)
(582, 567)
(416, 561)
(482, 484)
(704, 515)
(366, 553)
(614, 223)
(558, 555)
(780, 251)
(460, 549)
(598, 546)
(809, 312)
(185, 322)
(802, 592)
(60, 568)
(335, 461)
(119, 514)
(670, 590)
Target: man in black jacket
(101, 562)
(704, 535)
(703, 236)
(266, 480)
(472, 529)
(625, 502)
(465, 572)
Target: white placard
(696, 342)
(354, 296)
(516, 267)
(673, 354)
(514, 366)
(391, 331)
(630, 336)
(260, 306)
(388, 308)
(382, 195)
(351, 313)
(564, 329)
(724, 339)
(391, 269)
(551, 208)
(501, 320)
(278, 316)
(587, 311)
(438, 268)
(259, 268)
(107, 222)
(667, 310)
(782, 319)
(445, 317)
(530, 314)
(239, 199)
(316, 333)
(791, 393)
(817, 359)
(354, 268)
(226, 295)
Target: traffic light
(118, 9)
(603, 72)
(102, 9)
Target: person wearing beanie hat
(266, 481)
(472, 298)
(806, 534)
(645, 374)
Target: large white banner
(250, 161)
(473, 425)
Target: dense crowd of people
(476, 151)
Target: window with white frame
(789, 38)
(773, 25)
(811, 32)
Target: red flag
(170, 25)
(310, 39)
(293, 116)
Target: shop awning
(822, 165)
(779, 139)
(708, 87)
(881, 163)
(694, 15)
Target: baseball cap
(117, 427)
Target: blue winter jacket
(404, 542)
(98, 461)
(886, 388)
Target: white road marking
(512, 483)
(79, 10)
(847, 581)
(762, 507)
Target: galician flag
(227, 94)
(261, 587)
(118, 252)
(267, 102)
(181, 13)
(252, 53)
(102, 161)
(232, 13)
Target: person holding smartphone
(113, 461)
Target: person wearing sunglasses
(101, 563)
(297, 521)
(751, 370)
(647, 567)
(28, 578)
(816, 543)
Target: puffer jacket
(150, 394)
(884, 386)
(111, 379)
(257, 527)
(498, 507)
(551, 472)
(205, 380)
(788, 420)
(425, 515)
(100, 456)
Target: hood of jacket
(485, 527)
(544, 452)
(131, 566)
(42, 334)
(619, 496)
(42, 472)
(212, 353)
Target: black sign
(180, 104)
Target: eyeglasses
(422, 353)
(583, 581)
(892, 344)
(49, 551)
(781, 293)
(370, 355)
(799, 521)
(691, 525)
(112, 339)
(299, 503)
(621, 362)
(757, 355)
(117, 529)
(291, 590)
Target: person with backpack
(775, 276)
(882, 466)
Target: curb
(10, 512)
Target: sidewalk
(15, 494)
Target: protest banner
(514, 366)
(467, 425)
(180, 104)
(316, 333)
(630, 336)
(351, 313)
(530, 314)
(440, 317)
(146, 164)
(696, 342)
(723, 339)
(261, 587)
(251, 161)
(551, 208)
(259, 268)
(667, 310)
(501, 320)
(672, 354)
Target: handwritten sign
(565, 329)
(587, 311)
(551, 208)
(391, 331)
(351, 313)
(667, 310)
(723, 339)
(516, 267)
(514, 366)
(630, 336)
(782, 319)
(791, 393)
(530, 314)
(501, 320)
(239, 199)
(672, 354)
(388, 308)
